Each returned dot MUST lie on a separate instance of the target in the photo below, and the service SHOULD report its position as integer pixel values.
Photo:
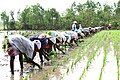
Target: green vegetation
(89, 49)
(89, 14)
(106, 38)
(116, 41)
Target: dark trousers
(12, 63)
(41, 54)
(58, 47)
(29, 60)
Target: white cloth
(53, 39)
(79, 31)
(72, 34)
(38, 43)
(80, 26)
(23, 44)
(54, 33)
(61, 37)
(74, 27)
(67, 37)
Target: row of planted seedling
(105, 47)
(98, 43)
(115, 36)
(81, 51)
(111, 37)
(88, 48)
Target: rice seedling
(89, 49)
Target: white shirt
(73, 26)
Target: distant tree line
(89, 14)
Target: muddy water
(4, 64)
(5, 69)
(73, 73)
(5, 73)
(110, 71)
(94, 70)
(93, 73)
(77, 70)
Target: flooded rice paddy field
(97, 58)
(27, 73)
(100, 61)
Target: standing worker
(74, 25)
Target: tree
(51, 18)
(12, 21)
(32, 17)
(24, 18)
(89, 14)
(116, 21)
(5, 19)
